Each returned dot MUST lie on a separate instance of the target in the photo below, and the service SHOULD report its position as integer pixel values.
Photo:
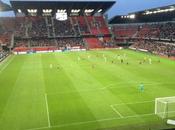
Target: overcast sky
(123, 7)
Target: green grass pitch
(80, 91)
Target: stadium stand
(31, 32)
(103, 28)
(82, 25)
(27, 29)
(63, 28)
(93, 42)
(38, 28)
(3, 55)
(93, 25)
(146, 30)
(152, 30)
(156, 47)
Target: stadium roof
(4, 6)
(165, 13)
(71, 7)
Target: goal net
(165, 107)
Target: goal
(165, 107)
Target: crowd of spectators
(70, 41)
(63, 28)
(20, 27)
(49, 42)
(151, 30)
(156, 47)
(82, 25)
(167, 31)
(108, 44)
(37, 27)
(93, 25)
(42, 43)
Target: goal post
(165, 107)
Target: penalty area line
(47, 109)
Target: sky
(123, 7)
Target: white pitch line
(47, 109)
(93, 121)
(133, 103)
(103, 88)
(115, 110)
(39, 128)
(102, 120)
(142, 115)
(6, 64)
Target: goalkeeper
(141, 87)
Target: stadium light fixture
(75, 10)
(166, 10)
(170, 9)
(32, 10)
(158, 10)
(47, 10)
(61, 10)
(132, 16)
(100, 10)
(89, 10)
(148, 12)
(155, 12)
(19, 11)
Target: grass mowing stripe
(13, 90)
(112, 87)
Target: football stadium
(64, 65)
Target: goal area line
(119, 104)
(113, 107)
